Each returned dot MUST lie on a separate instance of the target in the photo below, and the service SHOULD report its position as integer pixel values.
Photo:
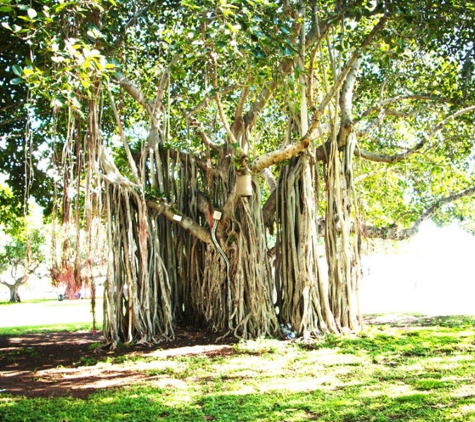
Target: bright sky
(433, 274)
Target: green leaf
(57, 102)
(28, 71)
(16, 81)
(17, 70)
(5, 9)
(32, 13)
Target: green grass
(51, 328)
(48, 316)
(26, 301)
(424, 372)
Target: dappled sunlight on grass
(413, 373)
(396, 389)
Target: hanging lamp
(244, 184)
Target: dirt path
(69, 364)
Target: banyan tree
(236, 154)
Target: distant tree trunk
(14, 294)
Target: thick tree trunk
(340, 244)
(235, 295)
(302, 288)
(137, 293)
(14, 296)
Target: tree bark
(14, 293)
(302, 287)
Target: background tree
(20, 256)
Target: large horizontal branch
(282, 154)
(393, 232)
(386, 158)
(182, 220)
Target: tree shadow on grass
(57, 364)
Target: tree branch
(205, 102)
(291, 150)
(132, 21)
(346, 104)
(395, 233)
(18, 282)
(258, 105)
(349, 65)
(130, 158)
(222, 115)
(392, 100)
(240, 106)
(135, 93)
(182, 220)
(111, 173)
(384, 158)
(198, 126)
(161, 86)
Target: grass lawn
(48, 315)
(424, 371)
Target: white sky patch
(431, 274)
